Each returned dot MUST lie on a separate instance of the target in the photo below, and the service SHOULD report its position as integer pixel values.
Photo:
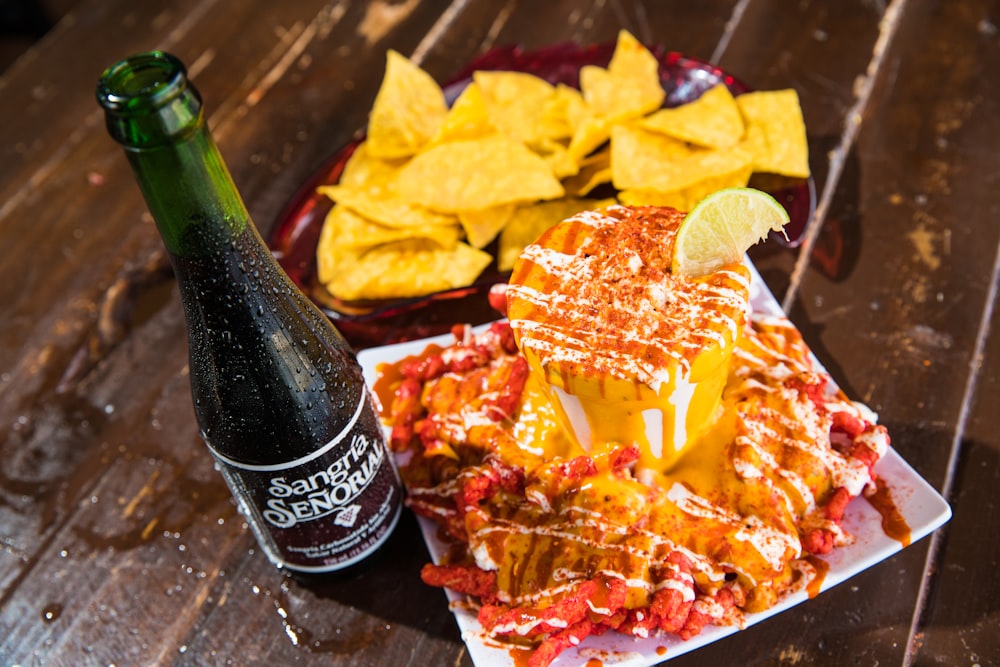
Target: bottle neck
(190, 193)
(154, 112)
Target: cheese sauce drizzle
(731, 528)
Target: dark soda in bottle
(278, 393)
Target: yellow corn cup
(630, 353)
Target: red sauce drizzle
(520, 656)
(893, 523)
(388, 376)
(822, 567)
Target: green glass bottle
(278, 393)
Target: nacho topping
(594, 297)
(557, 543)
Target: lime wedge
(720, 229)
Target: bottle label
(327, 510)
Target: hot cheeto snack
(555, 541)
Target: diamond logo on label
(348, 516)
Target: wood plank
(116, 580)
(53, 292)
(384, 615)
(126, 564)
(896, 322)
(780, 45)
(60, 74)
(872, 612)
(120, 543)
(960, 619)
(313, 98)
(903, 321)
(482, 25)
(99, 229)
(50, 166)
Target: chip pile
(431, 186)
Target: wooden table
(120, 543)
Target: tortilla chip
(594, 171)
(410, 268)
(408, 110)
(651, 161)
(563, 112)
(475, 174)
(775, 132)
(363, 169)
(558, 157)
(592, 133)
(383, 207)
(482, 225)
(688, 197)
(528, 223)
(515, 103)
(347, 229)
(467, 118)
(711, 121)
(630, 86)
(494, 165)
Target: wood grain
(120, 543)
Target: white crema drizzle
(590, 529)
(770, 543)
(574, 338)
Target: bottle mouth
(141, 83)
